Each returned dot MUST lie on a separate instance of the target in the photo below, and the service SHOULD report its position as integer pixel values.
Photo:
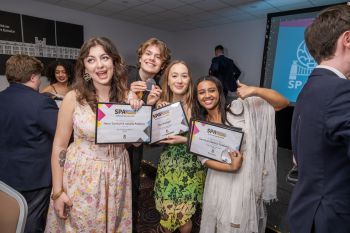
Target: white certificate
(168, 120)
(119, 123)
(214, 141)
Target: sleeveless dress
(178, 186)
(97, 180)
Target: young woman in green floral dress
(180, 176)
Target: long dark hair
(86, 90)
(198, 111)
(51, 70)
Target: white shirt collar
(337, 72)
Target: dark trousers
(135, 156)
(38, 203)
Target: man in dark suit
(320, 202)
(225, 70)
(28, 122)
(153, 57)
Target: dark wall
(283, 126)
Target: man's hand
(138, 86)
(154, 95)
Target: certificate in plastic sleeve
(119, 123)
(214, 141)
(168, 120)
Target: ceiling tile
(221, 20)
(71, 5)
(168, 4)
(187, 10)
(326, 2)
(85, 3)
(97, 11)
(129, 3)
(192, 1)
(255, 7)
(149, 19)
(111, 6)
(227, 12)
(205, 16)
(132, 12)
(211, 5)
(177, 15)
(172, 25)
(118, 16)
(243, 18)
(289, 5)
(284, 2)
(169, 14)
(47, 1)
(237, 2)
(203, 24)
(148, 8)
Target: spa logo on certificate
(168, 120)
(119, 123)
(214, 141)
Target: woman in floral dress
(180, 176)
(91, 182)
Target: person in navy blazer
(28, 122)
(225, 70)
(320, 202)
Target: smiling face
(99, 65)
(151, 61)
(61, 74)
(178, 79)
(208, 95)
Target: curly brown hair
(86, 91)
(51, 70)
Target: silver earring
(87, 77)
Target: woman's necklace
(103, 99)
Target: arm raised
(274, 98)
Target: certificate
(168, 120)
(214, 141)
(119, 123)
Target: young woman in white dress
(235, 194)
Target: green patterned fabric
(179, 186)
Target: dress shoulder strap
(54, 89)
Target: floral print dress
(179, 186)
(97, 180)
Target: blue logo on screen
(301, 68)
(293, 63)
